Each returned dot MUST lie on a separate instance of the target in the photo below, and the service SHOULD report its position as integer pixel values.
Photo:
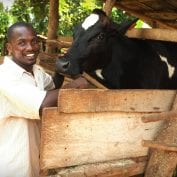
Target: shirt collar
(13, 67)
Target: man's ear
(9, 48)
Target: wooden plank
(125, 167)
(100, 100)
(154, 34)
(76, 139)
(59, 44)
(142, 16)
(93, 81)
(160, 116)
(159, 146)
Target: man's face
(24, 47)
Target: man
(25, 89)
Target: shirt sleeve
(24, 99)
(47, 79)
(48, 82)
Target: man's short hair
(15, 25)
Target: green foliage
(40, 10)
(33, 11)
(119, 16)
(139, 24)
(4, 21)
(21, 11)
(73, 12)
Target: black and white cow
(101, 49)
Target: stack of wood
(99, 132)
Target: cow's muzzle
(62, 66)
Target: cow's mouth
(71, 76)
(68, 75)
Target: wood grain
(100, 100)
(82, 138)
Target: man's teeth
(30, 55)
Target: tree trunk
(53, 24)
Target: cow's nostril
(66, 65)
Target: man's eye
(35, 41)
(21, 43)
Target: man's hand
(79, 83)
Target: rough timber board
(154, 34)
(160, 11)
(117, 168)
(99, 100)
(75, 139)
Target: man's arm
(58, 80)
(51, 97)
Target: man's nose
(29, 46)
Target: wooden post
(93, 81)
(53, 23)
(163, 163)
(109, 4)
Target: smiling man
(23, 44)
(25, 89)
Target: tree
(73, 12)
(53, 23)
(33, 11)
(4, 21)
(119, 16)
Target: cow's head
(92, 45)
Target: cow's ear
(126, 25)
(99, 12)
(102, 16)
(104, 19)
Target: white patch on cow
(90, 21)
(171, 69)
(98, 73)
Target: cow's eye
(101, 36)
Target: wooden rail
(160, 146)
(143, 33)
(154, 34)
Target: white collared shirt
(21, 95)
